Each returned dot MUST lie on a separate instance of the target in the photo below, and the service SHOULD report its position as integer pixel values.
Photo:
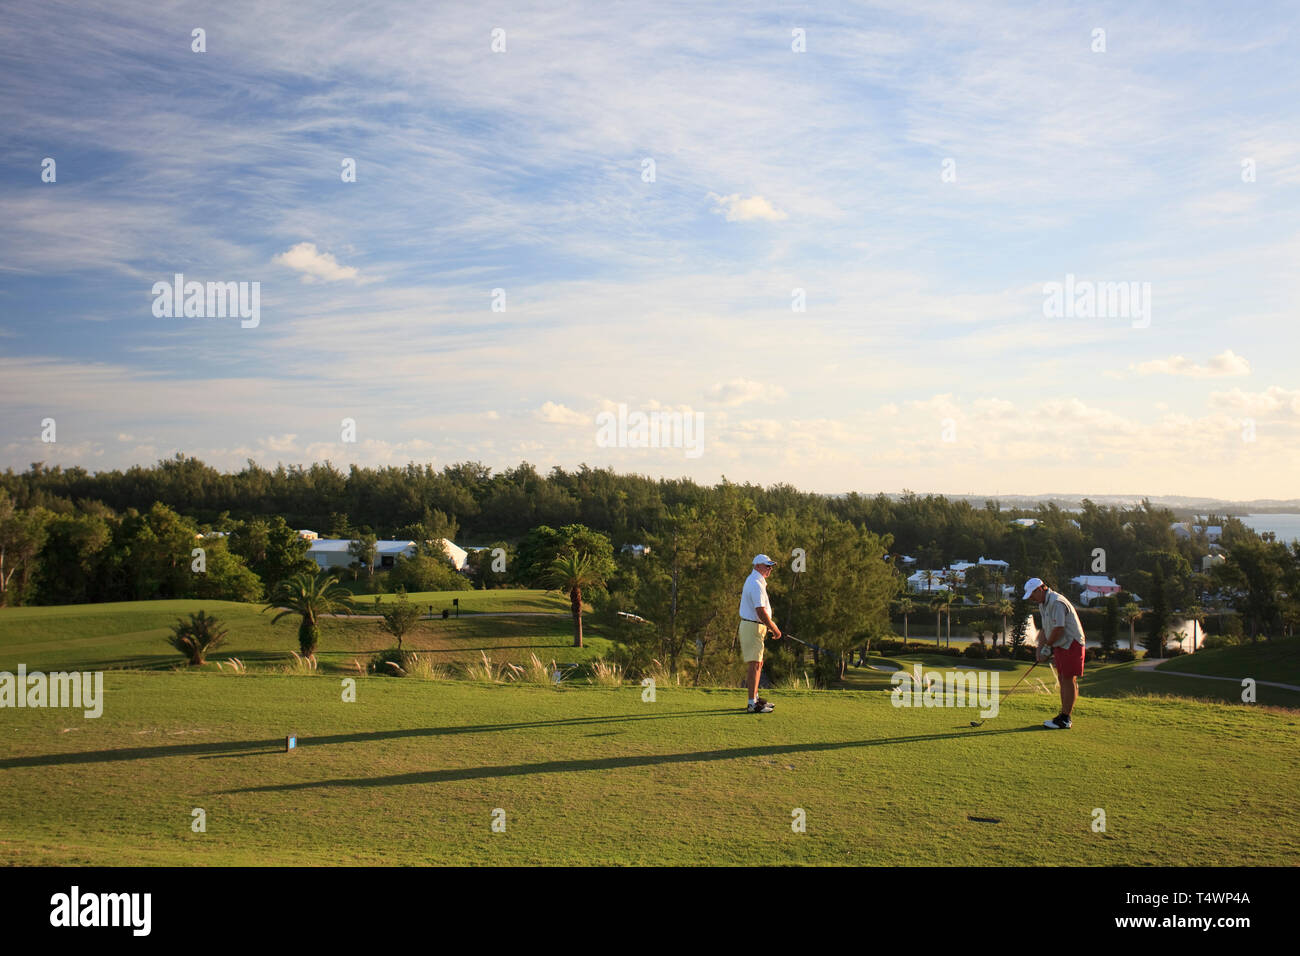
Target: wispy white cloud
(1226, 363)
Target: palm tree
(936, 605)
(948, 597)
(195, 637)
(571, 573)
(1006, 608)
(905, 607)
(311, 596)
(1130, 613)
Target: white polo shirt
(1058, 612)
(753, 596)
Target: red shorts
(1068, 661)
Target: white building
(1095, 586)
(459, 556)
(636, 550)
(927, 582)
(333, 553)
(1185, 529)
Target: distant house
(332, 553)
(1185, 529)
(927, 582)
(1025, 522)
(1212, 561)
(459, 556)
(636, 550)
(1094, 586)
(308, 535)
(993, 563)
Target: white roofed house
(927, 582)
(1094, 586)
(332, 553)
(1185, 529)
(459, 556)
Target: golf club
(804, 643)
(980, 723)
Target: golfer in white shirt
(755, 624)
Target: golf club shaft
(804, 643)
(1022, 679)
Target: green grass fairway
(1103, 680)
(133, 635)
(500, 601)
(411, 774)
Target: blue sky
(923, 360)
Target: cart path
(1151, 665)
(567, 615)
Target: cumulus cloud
(739, 209)
(1272, 401)
(1225, 364)
(741, 390)
(555, 414)
(314, 264)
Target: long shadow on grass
(260, 746)
(613, 763)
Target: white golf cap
(762, 559)
(1032, 585)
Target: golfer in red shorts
(1063, 634)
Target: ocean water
(1285, 526)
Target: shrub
(659, 672)
(606, 673)
(535, 672)
(1216, 641)
(300, 666)
(799, 681)
(827, 670)
(195, 637)
(1174, 652)
(426, 573)
(484, 670)
(1123, 655)
(976, 650)
(422, 668)
(393, 662)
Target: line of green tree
(69, 536)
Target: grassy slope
(133, 635)
(411, 772)
(1263, 660)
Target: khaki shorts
(751, 640)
